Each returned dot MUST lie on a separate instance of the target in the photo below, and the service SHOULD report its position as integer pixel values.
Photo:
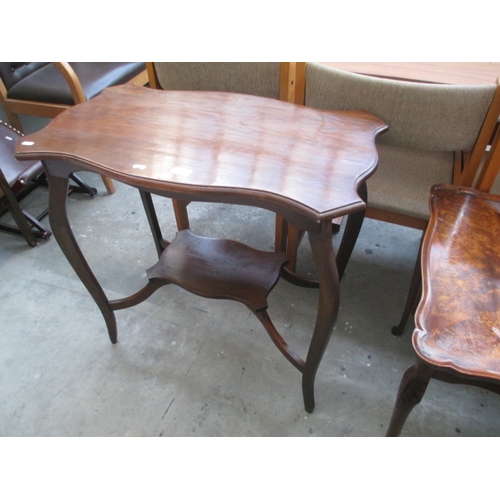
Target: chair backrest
(266, 79)
(13, 72)
(424, 116)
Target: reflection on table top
(220, 145)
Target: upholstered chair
(437, 134)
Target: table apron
(295, 213)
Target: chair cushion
(20, 172)
(404, 177)
(47, 83)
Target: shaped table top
(217, 146)
(458, 319)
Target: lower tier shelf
(219, 269)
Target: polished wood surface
(457, 332)
(303, 164)
(214, 268)
(456, 73)
(218, 145)
(458, 320)
(231, 77)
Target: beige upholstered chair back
(423, 116)
(255, 78)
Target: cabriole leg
(62, 232)
(410, 393)
(322, 249)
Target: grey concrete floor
(189, 366)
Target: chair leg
(108, 184)
(13, 119)
(414, 294)
(81, 186)
(22, 223)
(26, 225)
(181, 215)
(11, 204)
(36, 227)
(351, 232)
(411, 391)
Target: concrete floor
(189, 366)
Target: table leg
(61, 229)
(154, 225)
(322, 249)
(351, 232)
(411, 391)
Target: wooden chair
(17, 180)
(457, 333)
(489, 171)
(282, 81)
(437, 134)
(46, 89)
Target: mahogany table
(301, 163)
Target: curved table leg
(322, 249)
(61, 228)
(410, 393)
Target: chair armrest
(72, 80)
